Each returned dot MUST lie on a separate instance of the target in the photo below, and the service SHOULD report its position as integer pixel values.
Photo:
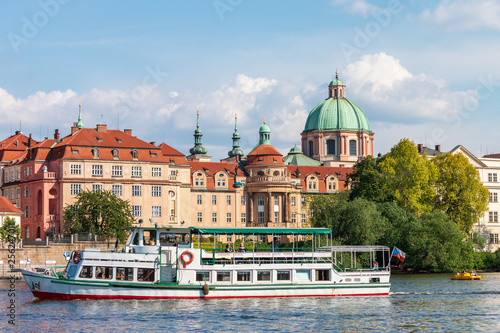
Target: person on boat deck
(375, 265)
(228, 248)
(242, 247)
(473, 273)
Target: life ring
(76, 257)
(191, 257)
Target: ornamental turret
(236, 152)
(198, 152)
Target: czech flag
(398, 254)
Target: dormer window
(135, 154)
(221, 180)
(95, 152)
(118, 140)
(98, 139)
(115, 153)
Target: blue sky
(426, 70)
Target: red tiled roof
(13, 146)
(8, 207)
(264, 154)
(210, 168)
(320, 171)
(492, 156)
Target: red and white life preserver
(76, 257)
(184, 261)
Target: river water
(427, 302)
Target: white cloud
(357, 7)
(387, 91)
(465, 15)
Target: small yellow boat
(466, 276)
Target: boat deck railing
(264, 256)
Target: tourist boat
(465, 276)
(192, 263)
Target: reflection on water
(417, 303)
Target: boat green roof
(281, 231)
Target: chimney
(18, 132)
(152, 143)
(438, 148)
(74, 129)
(56, 135)
(30, 141)
(420, 148)
(127, 131)
(102, 128)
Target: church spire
(198, 148)
(236, 151)
(80, 121)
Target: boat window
(72, 270)
(172, 238)
(223, 276)
(322, 275)
(125, 273)
(149, 237)
(348, 280)
(102, 272)
(202, 276)
(264, 276)
(373, 280)
(357, 279)
(145, 274)
(283, 275)
(303, 275)
(136, 239)
(243, 276)
(86, 272)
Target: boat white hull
(47, 287)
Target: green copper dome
(337, 82)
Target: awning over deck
(277, 231)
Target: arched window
(115, 153)
(38, 233)
(95, 152)
(310, 151)
(134, 154)
(330, 147)
(39, 202)
(260, 173)
(352, 147)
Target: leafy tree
(355, 222)
(10, 231)
(367, 181)
(460, 193)
(102, 213)
(410, 176)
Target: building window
(276, 200)
(26, 191)
(243, 200)
(276, 217)
(294, 218)
(115, 153)
(135, 154)
(492, 177)
(214, 217)
(293, 201)
(96, 188)
(214, 199)
(493, 197)
(97, 170)
(260, 201)
(352, 147)
(221, 182)
(117, 190)
(493, 216)
(136, 190)
(75, 169)
(303, 201)
(75, 189)
(172, 212)
(332, 186)
(199, 199)
(330, 147)
(493, 238)
(200, 217)
(156, 211)
(136, 171)
(156, 191)
(229, 218)
(310, 151)
(137, 210)
(199, 182)
(303, 218)
(243, 217)
(228, 200)
(116, 171)
(312, 185)
(95, 152)
(18, 194)
(156, 172)
(173, 172)
(260, 217)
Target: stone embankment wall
(40, 254)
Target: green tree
(460, 192)
(410, 176)
(102, 213)
(368, 182)
(10, 231)
(355, 222)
